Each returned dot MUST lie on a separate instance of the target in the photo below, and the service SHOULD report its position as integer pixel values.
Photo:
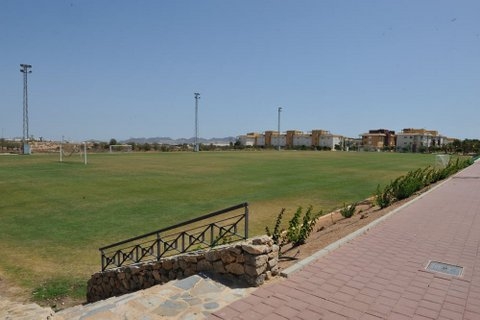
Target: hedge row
(405, 186)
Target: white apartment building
(416, 139)
(330, 141)
(248, 140)
(302, 140)
(293, 138)
(279, 140)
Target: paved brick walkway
(382, 274)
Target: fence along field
(54, 216)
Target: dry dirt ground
(328, 229)
(11, 291)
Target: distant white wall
(302, 140)
(261, 141)
(279, 140)
(329, 141)
(247, 140)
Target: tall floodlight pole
(196, 147)
(25, 70)
(278, 137)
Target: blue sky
(120, 69)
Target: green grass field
(54, 216)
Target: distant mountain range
(168, 140)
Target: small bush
(277, 232)
(404, 186)
(298, 231)
(383, 198)
(294, 226)
(307, 226)
(348, 211)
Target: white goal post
(120, 148)
(442, 160)
(68, 149)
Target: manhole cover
(446, 268)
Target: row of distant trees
(467, 146)
(100, 146)
(9, 145)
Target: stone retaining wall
(246, 263)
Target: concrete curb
(337, 244)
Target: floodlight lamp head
(25, 68)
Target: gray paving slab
(12, 310)
(192, 298)
(381, 272)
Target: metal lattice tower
(25, 70)
(196, 147)
(278, 137)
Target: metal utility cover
(445, 268)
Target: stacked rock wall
(246, 263)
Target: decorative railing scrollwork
(219, 227)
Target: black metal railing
(219, 227)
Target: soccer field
(54, 216)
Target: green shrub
(383, 198)
(452, 167)
(294, 226)
(348, 211)
(405, 186)
(298, 231)
(277, 232)
(307, 226)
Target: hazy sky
(120, 69)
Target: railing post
(135, 253)
(158, 246)
(183, 241)
(102, 257)
(246, 221)
(212, 241)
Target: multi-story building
(278, 140)
(249, 139)
(300, 140)
(378, 139)
(293, 138)
(408, 139)
(330, 141)
(417, 139)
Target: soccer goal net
(442, 160)
(70, 151)
(120, 148)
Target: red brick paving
(381, 274)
